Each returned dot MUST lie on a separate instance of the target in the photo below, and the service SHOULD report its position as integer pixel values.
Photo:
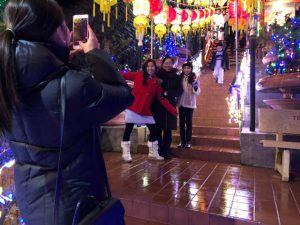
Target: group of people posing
(157, 93)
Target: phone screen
(80, 32)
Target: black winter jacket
(172, 89)
(92, 99)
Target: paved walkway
(190, 192)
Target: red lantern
(193, 15)
(156, 6)
(206, 12)
(211, 12)
(171, 14)
(184, 16)
(201, 14)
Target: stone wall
(252, 152)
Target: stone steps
(204, 153)
(212, 140)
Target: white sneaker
(126, 151)
(153, 151)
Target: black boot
(168, 154)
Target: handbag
(107, 212)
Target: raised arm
(130, 75)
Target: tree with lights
(284, 56)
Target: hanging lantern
(156, 6)
(141, 10)
(184, 16)
(206, 13)
(127, 2)
(176, 23)
(194, 15)
(160, 30)
(212, 12)
(105, 8)
(195, 20)
(186, 24)
(172, 14)
(197, 3)
(221, 2)
(190, 2)
(160, 20)
(201, 14)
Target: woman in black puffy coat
(165, 121)
(33, 48)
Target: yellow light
(141, 7)
(140, 23)
(190, 2)
(176, 23)
(160, 30)
(176, 29)
(105, 8)
(186, 29)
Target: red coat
(144, 95)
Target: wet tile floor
(182, 191)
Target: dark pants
(164, 138)
(129, 128)
(186, 126)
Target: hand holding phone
(91, 43)
(80, 30)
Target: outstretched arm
(130, 75)
(164, 102)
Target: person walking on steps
(165, 121)
(219, 63)
(187, 103)
(145, 89)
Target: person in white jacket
(187, 103)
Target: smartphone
(80, 29)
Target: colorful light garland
(237, 98)
(284, 57)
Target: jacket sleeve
(164, 102)
(105, 94)
(130, 75)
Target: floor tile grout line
(276, 206)
(118, 167)
(167, 172)
(170, 181)
(296, 203)
(192, 177)
(204, 182)
(218, 189)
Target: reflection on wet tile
(246, 215)
(238, 192)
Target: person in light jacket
(34, 51)
(187, 103)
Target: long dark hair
(145, 73)
(31, 20)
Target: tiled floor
(188, 192)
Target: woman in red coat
(145, 89)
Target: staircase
(232, 57)
(214, 138)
